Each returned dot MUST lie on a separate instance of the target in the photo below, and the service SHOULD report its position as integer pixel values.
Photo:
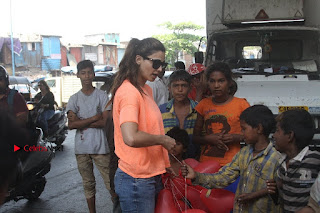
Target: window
(31, 46)
(252, 52)
(51, 83)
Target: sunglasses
(156, 63)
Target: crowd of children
(274, 176)
(204, 121)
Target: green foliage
(179, 38)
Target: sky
(72, 19)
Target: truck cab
(274, 55)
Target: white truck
(63, 87)
(273, 48)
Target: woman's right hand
(167, 142)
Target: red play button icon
(15, 148)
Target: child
(198, 86)
(87, 113)
(179, 111)
(314, 200)
(178, 153)
(299, 165)
(255, 164)
(219, 117)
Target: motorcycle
(57, 128)
(30, 178)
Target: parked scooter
(57, 128)
(30, 177)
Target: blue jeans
(44, 117)
(137, 195)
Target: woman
(45, 100)
(139, 137)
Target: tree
(179, 39)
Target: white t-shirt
(160, 91)
(90, 140)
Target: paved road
(63, 192)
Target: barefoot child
(256, 163)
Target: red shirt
(19, 104)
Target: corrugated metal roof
(99, 43)
(30, 37)
(59, 36)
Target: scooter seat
(55, 118)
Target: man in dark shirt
(11, 134)
(11, 100)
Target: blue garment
(43, 119)
(137, 195)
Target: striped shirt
(253, 172)
(297, 179)
(171, 120)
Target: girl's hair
(299, 122)
(219, 66)
(128, 68)
(44, 83)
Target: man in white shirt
(159, 89)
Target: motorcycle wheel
(36, 189)
(60, 140)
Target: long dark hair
(221, 67)
(44, 83)
(128, 68)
